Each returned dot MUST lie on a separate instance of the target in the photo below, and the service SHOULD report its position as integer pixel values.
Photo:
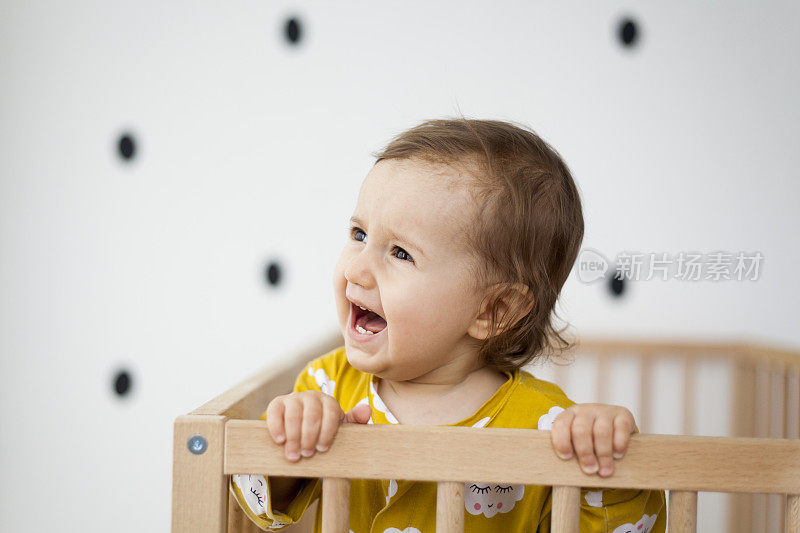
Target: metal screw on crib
(197, 444)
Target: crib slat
(450, 507)
(237, 520)
(762, 403)
(781, 518)
(792, 513)
(645, 391)
(689, 372)
(760, 512)
(602, 377)
(776, 507)
(792, 389)
(335, 505)
(682, 513)
(740, 516)
(565, 515)
(744, 394)
(762, 408)
(560, 375)
(777, 408)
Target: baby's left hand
(599, 433)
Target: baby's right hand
(308, 420)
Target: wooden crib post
(682, 512)
(199, 485)
(335, 505)
(792, 390)
(566, 510)
(449, 507)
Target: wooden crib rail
(683, 464)
(221, 437)
(680, 462)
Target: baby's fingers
(312, 421)
(275, 411)
(331, 418)
(560, 434)
(582, 428)
(623, 427)
(293, 418)
(603, 444)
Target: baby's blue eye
(354, 231)
(401, 251)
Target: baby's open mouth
(367, 322)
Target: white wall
(251, 150)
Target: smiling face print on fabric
(487, 498)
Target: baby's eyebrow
(392, 235)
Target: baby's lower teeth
(362, 330)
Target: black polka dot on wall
(293, 31)
(616, 284)
(273, 273)
(126, 146)
(122, 383)
(628, 32)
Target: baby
(463, 234)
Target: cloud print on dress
(643, 525)
(324, 383)
(594, 498)
(392, 490)
(546, 420)
(409, 529)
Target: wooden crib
(759, 462)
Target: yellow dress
(400, 506)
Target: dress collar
(480, 418)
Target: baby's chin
(365, 362)
(376, 365)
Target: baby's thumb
(359, 414)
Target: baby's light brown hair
(528, 229)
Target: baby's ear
(505, 309)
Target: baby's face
(406, 259)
